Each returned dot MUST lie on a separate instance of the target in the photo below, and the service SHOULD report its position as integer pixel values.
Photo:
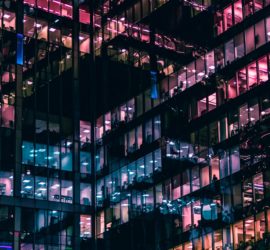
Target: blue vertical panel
(20, 49)
(154, 91)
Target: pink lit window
(258, 5)
(176, 187)
(42, 4)
(263, 70)
(218, 23)
(55, 6)
(205, 176)
(84, 16)
(248, 7)
(242, 80)
(215, 167)
(186, 218)
(252, 75)
(66, 8)
(232, 88)
(8, 116)
(227, 18)
(238, 12)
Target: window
(107, 121)
(205, 176)
(147, 100)
(242, 80)
(238, 232)
(66, 155)
(253, 111)
(191, 74)
(186, 217)
(224, 164)
(85, 162)
(252, 75)
(239, 45)
(148, 200)
(85, 226)
(41, 188)
(232, 88)
(218, 23)
(203, 139)
(157, 160)
(258, 187)
(148, 136)
(235, 160)
(249, 37)
(233, 122)
(130, 109)
(195, 178)
(217, 239)
(223, 132)
(85, 194)
(249, 229)
(28, 153)
(176, 187)
(258, 5)
(227, 237)
(173, 84)
(99, 128)
(243, 120)
(124, 178)
(207, 241)
(115, 118)
(247, 192)
(262, 70)
(213, 133)
(99, 158)
(182, 80)
(219, 57)
(124, 211)
(268, 28)
(188, 246)
(238, 12)
(202, 107)
(149, 165)
(157, 127)
(167, 190)
(54, 189)
(186, 182)
(140, 169)
(227, 17)
(229, 52)
(131, 173)
(237, 195)
(248, 7)
(54, 34)
(6, 183)
(259, 34)
(100, 192)
(210, 62)
(159, 195)
(196, 213)
(212, 101)
(260, 226)
(27, 187)
(265, 106)
(200, 68)
(131, 141)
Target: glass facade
(90, 158)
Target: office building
(135, 124)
